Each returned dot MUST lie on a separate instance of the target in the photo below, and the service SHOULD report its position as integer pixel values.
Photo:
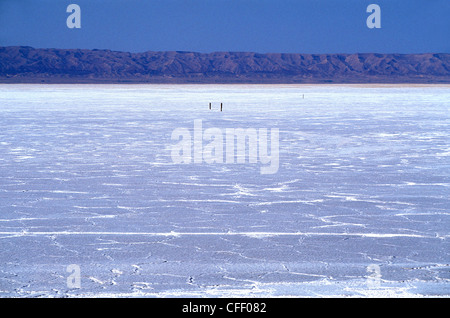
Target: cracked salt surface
(87, 179)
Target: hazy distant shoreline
(100, 81)
(75, 66)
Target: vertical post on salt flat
(209, 106)
(220, 106)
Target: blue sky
(264, 26)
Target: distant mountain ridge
(19, 64)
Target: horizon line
(212, 52)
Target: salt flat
(358, 207)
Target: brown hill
(26, 64)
